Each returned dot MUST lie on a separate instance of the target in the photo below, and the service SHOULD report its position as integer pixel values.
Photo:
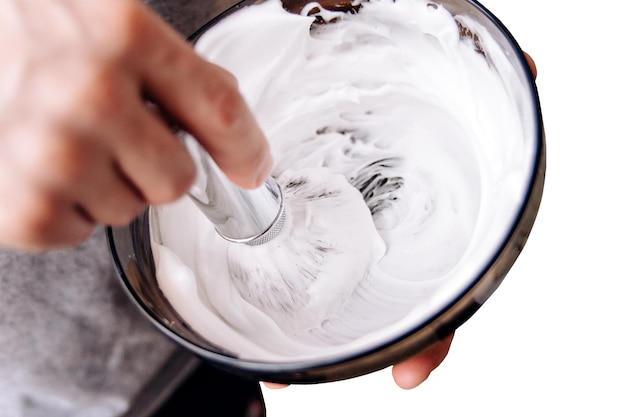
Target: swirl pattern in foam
(396, 105)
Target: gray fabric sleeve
(71, 344)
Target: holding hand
(78, 144)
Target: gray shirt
(71, 343)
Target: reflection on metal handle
(245, 216)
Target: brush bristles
(325, 249)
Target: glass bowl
(130, 246)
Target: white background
(550, 341)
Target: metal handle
(245, 216)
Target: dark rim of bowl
(414, 340)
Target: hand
(415, 370)
(78, 144)
(412, 372)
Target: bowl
(516, 152)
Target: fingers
(149, 156)
(205, 101)
(79, 145)
(275, 385)
(112, 171)
(92, 182)
(25, 220)
(531, 64)
(56, 196)
(412, 372)
(102, 149)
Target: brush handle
(239, 215)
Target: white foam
(391, 102)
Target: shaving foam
(416, 132)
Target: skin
(415, 370)
(79, 146)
